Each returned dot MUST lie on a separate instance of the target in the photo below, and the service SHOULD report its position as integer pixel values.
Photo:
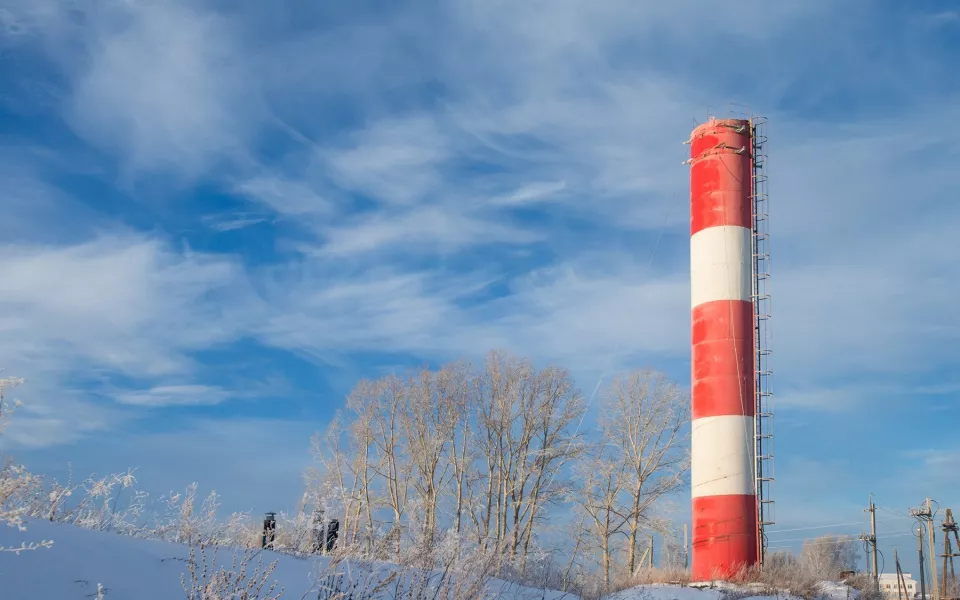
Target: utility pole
(901, 583)
(949, 526)
(650, 559)
(873, 534)
(686, 552)
(933, 556)
(896, 564)
(872, 540)
(923, 587)
(926, 515)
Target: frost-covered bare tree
(483, 450)
(781, 559)
(599, 496)
(343, 457)
(828, 555)
(462, 448)
(557, 440)
(430, 423)
(484, 455)
(392, 463)
(498, 392)
(526, 431)
(647, 418)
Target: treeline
(503, 457)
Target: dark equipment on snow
(324, 533)
(269, 530)
(332, 533)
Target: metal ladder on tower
(763, 392)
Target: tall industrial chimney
(723, 469)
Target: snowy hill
(136, 569)
(831, 591)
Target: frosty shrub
(827, 556)
(17, 485)
(867, 586)
(653, 575)
(780, 578)
(109, 504)
(339, 585)
(821, 560)
(206, 580)
(435, 567)
(591, 585)
(363, 581)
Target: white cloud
(825, 399)
(862, 227)
(231, 222)
(55, 414)
(378, 311)
(581, 315)
(287, 197)
(395, 160)
(163, 86)
(117, 307)
(175, 395)
(572, 112)
(431, 227)
(531, 193)
(125, 302)
(938, 460)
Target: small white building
(891, 587)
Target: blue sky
(218, 216)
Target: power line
(839, 534)
(817, 527)
(847, 524)
(900, 514)
(842, 537)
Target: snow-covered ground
(137, 569)
(831, 591)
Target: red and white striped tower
(723, 469)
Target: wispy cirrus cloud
(165, 86)
(175, 395)
(430, 228)
(87, 323)
(285, 196)
(125, 302)
(518, 114)
(394, 161)
(232, 222)
(55, 414)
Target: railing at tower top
(763, 391)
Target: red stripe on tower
(722, 454)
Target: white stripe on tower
(724, 462)
(717, 264)
(722, 453)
